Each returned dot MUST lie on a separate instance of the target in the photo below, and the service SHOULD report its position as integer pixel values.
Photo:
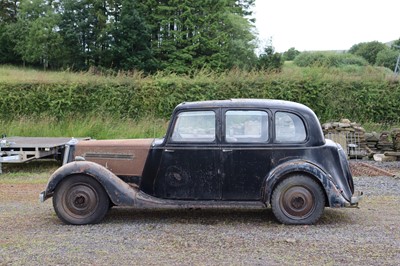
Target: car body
(244, 152)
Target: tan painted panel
(122, 157)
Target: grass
(348, 72)
(94, 127)
(11, 74)
(36, 172)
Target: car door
(246, 153)
(190, 163)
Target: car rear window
(289, 128)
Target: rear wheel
(298, 200)
(80, 200)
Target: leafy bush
(290, 54)
(269, 60)
(332, 95)
(328, 59)
(387, 58)
(349, 59)
(368, 50)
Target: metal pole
(396, 69)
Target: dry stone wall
(360, 144)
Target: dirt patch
(20, 192)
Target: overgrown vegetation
(128, 106)
(328, 59)
(97, 127)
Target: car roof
(246, 103)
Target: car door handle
(168, 150)
(227, 150)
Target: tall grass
(94, 127)
(15, 75)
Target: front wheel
(298, 200)
(80, 200)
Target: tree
(199, 34)
(269, 60)
(368, 50)
(290, 54)
(396, 45)
(8, 11)
(83, 27)
(150, 35)
(387, 58)
(36, 33)
(8, 16)
(131, 40)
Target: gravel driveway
(31, 234)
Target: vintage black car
(226, 153)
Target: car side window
(194, 126)
(246, 126)
(289, 128)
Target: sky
(310, 25)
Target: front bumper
(42, 196)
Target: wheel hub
(297, 202)
(81, 200)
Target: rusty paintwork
(122, 157)
(119, 192)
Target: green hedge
(358, 100)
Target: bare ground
(31, 234)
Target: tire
(80, 200)
(298, 200)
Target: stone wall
(360, 144)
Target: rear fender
(120, 193)
(333, 193)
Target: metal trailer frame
(25, 149)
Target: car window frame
(256, 143)
(173, 126)
(303, 120)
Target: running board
(144, 200)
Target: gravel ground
(31, 234)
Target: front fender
(332, 192)
(119, 192)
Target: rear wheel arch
(280, 179)
(295, 167)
